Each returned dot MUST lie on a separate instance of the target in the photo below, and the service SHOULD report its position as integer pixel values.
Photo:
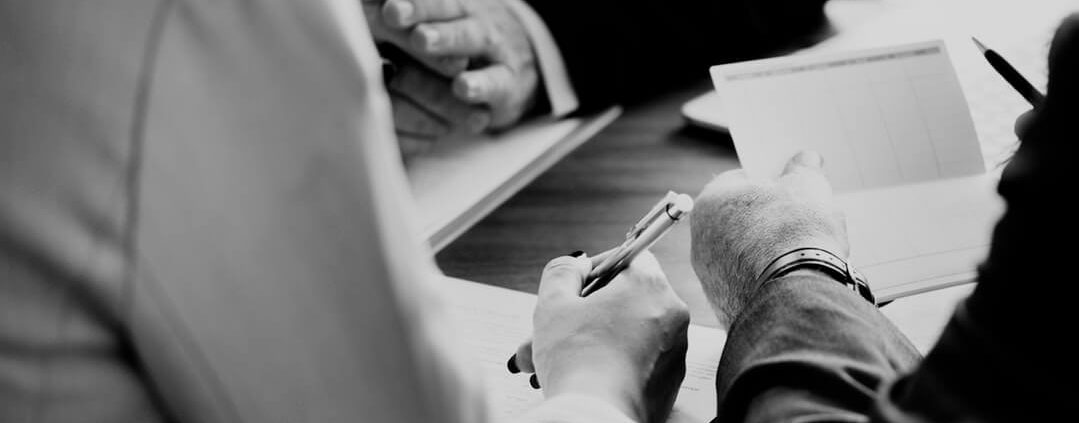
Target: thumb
(564, 277)
(804, 174)
(804, 160)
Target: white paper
(880, 117)
(459, 181)
(494, 321)
(899, 147)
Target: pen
(1014, 78)
(656, 223)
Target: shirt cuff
(572, 408)
(556, 82)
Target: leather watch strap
(822, 260)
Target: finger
(563, 278)
(411, 145)
(508, 93)
(462, 37)
(1023, 123)
(804, 161)
(599, 258)
(643, 273)
(804, 175)
(434, 95)
(402, 14)
(523, 358)
(412, 119)
(491, 85)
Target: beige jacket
(203, 218)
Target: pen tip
(980, 45)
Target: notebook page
(881, 117)
(494, 321)
(460, 180)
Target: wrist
(606, 381)
(821, 261)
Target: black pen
(1033, 96)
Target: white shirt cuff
(560, 94)
(572, 408)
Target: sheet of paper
(494, 321)
(459, 181)
(1019, 30)
(880, 117)
(899, 147)
(919, 237)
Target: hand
(739, 225)
(625, 343)
(485, 35)
(425, 110)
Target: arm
(800, 346)
(625, 51)
(1002, 357)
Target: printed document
(899, 148)
(494, 321)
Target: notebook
(899, 146)
(494, 321)
(459, 181)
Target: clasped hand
(468, 66)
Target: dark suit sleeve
(1003, 356)
(806, 349)
(627, 50)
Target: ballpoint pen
(656, 223)
(1014, 78)
(649, 229)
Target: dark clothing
(807, 349)
(614, 54)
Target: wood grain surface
(589, 199)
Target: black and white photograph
(538, 211)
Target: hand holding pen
(603, 270)
(614, 345)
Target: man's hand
(625, 343)
(481, 44)
(739, 225)
(425, 109)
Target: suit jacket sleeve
(1002, 356)
(622, 51)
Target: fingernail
(512, 365)
(810, 158)
(430, 37)
(405, 10)
(472, 89)
(534, 381)
(576, 254)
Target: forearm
(807, 346)
(619, 51)
(1001, 357)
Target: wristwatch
(821, 260)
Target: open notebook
(460, 181)
(494, 321)
(912, 228)
(899, 147)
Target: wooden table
(589, 199)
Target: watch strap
(821, 260)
